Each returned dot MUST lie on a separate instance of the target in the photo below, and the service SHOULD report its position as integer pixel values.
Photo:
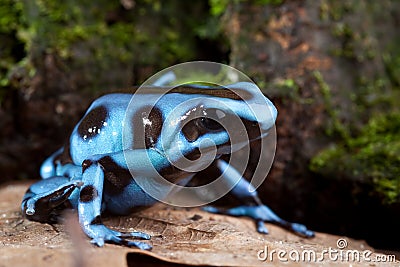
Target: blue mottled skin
(91, 173)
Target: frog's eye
(209, 124)
(213, 119)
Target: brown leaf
(180, 237)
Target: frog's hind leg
(45, 197)
(253, 207)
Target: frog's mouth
(255, 131)
(226, 148)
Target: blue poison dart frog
(91, 172)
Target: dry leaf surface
(180, 237)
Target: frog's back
(100, 129)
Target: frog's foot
(262, 214)
(101, 234)
(39, 204)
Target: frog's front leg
(253, 207)
(46, 196)
(89, 210)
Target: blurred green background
(331, 67)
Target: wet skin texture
(90, 173)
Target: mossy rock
(372, 158)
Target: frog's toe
(136, 234)
(261, 228)
(98, 241)
(101, 234)
(138, 244)
(122, 240)
(302, 230)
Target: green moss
(287, 89)
(187, 76)
(366, 129)
(335, 127)
(391, 59)
(331, 10)
(95, 37)
(355, 43)
(217, 7)
(268, 2)
(10, 21)
(10, 15)
(371, 158)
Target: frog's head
(204, 123)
